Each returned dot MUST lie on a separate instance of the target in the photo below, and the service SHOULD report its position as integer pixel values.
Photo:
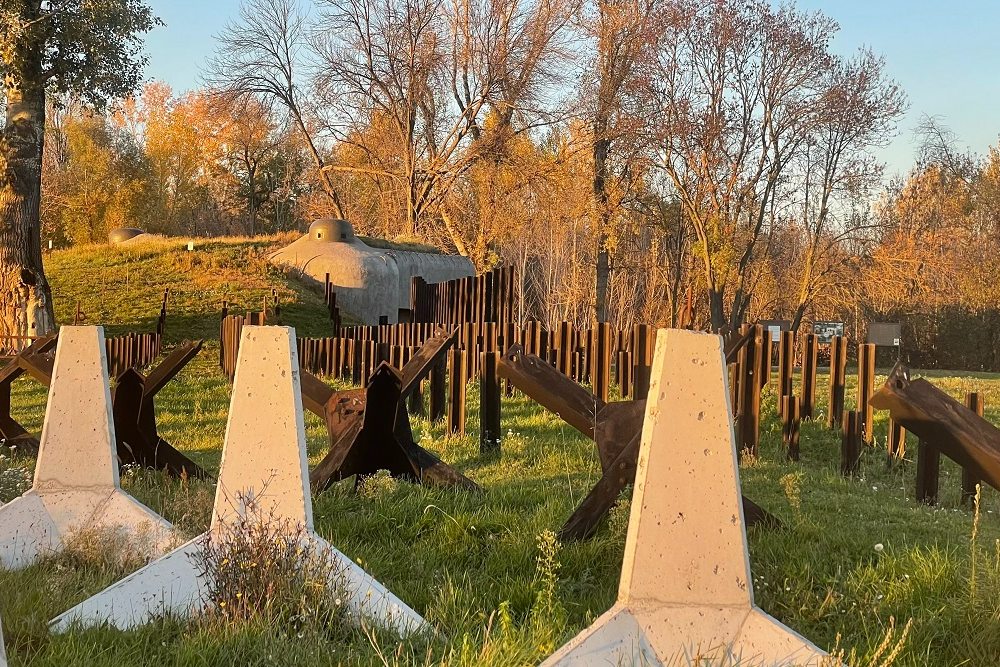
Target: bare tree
(856, 113)
(731, 102)
(261, 56)
(620, 30)
(428, 74)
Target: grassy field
(856, 562)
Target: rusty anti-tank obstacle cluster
(942, 424)
(616, 429)
(132, 402)
(369, 428)
(750, 355)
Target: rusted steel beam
(935, 417)
(551, 389)
(38, 366)
(736, 342)
(369, 428)
(585, 519)
(133, 408)
(316, 394)
(431, 352)
(138, 440)
(13, 369)
(13, 434)
(171, 365)
(616, 429)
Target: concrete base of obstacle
(263, 462)
(685, 596)
(76, 485)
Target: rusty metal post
(850, 444)
(896, 441)
(602, 362)
(791, 426)
(810, 353)
(489, 405)
(749, 370)
(438, 402)
(928, 472)
(457, 377)
(565, 346)
(838, 382)
(765, 377)
(625, 373)
(641, 357)
(786, 367)
(866, 388)
(974, 401)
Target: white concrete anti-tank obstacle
(685, 589)
(263, 458)
(76, 485)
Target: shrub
(262, 569)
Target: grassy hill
(853, 555)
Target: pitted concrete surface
(263, 460)
(685, 594)
(369, 282)
(76, 485)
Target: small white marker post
(76, 485)
(190, 245)
(685, 596)
(264, 457)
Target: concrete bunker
(370, 283)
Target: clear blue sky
(946, 55)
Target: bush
(263, 569)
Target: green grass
(472, 563)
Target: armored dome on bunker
(332, 230)
(369, 282)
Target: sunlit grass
(469, 562)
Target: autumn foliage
(678, 162)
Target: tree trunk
(603, 268)
(717, 308)
(607, 90)
(25, 297)
(252, 177)
(800, 312)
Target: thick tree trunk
(800, 312)
(25, 297)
